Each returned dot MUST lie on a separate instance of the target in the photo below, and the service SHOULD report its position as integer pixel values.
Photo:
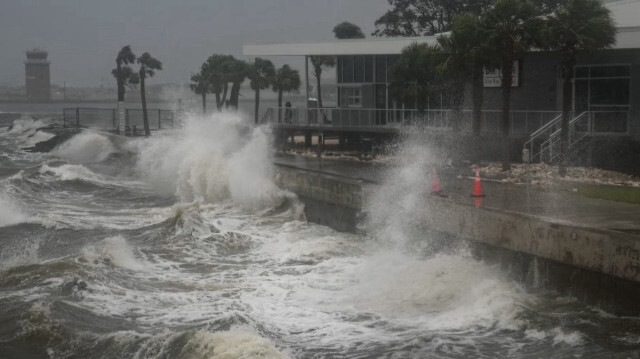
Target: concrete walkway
(554, 206)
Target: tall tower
(38, 82)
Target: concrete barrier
(597, 266)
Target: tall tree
(286, 80)
(218, 68)
(424, 17)
(414, 77)
(237, 73)
(320, 63)
(511, 27)
(573, 27)
(201, 86)
(125, 77)
(261, 74)
(148, 67)
(467, 55)
(347, 30)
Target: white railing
(581, 128)
(522, 122)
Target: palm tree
(237, 73)
(575, 26)
(200, 85)
(286, 79)
(217, 75)
(320, 63)
(413, 77)
(261, 74)
(511, 27)
(125, 77)
(148, 67)
(467, 56)
(123, 73)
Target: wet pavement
(556, 205)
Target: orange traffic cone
(435, 186)
(477, 188)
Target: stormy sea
(180, 245)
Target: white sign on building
(493, 78)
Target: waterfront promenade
(555, 205)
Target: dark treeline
(490, 34)
(222, 75)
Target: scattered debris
(546, 175)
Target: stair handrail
(267, 114)
(538, 133)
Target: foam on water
(113, 250)
(10, 212)
(85, 147)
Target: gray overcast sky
(83, 36)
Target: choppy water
(181, 246)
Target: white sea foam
(113, 250)
(85, 147)
(10, 212)
(235, 343)
(212, 159)
(68, 172)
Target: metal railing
(547, 139)
(106, 119)
(522, 122)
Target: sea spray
(211, 159)
(10, 211)
(394, 210)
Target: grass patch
(612, 193)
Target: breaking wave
(85, 147)
(213, 159)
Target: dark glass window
(609, 92)
(347, 69)
(381, 96)
(582, 72)
(359, 69)
(368, 69)
(610, 71)
(339, 69)
(381, 69)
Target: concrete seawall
(598, 266)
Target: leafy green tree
(320, 63)
(261, 74)
(424, 17)
(573, 27)
(347, 30)
(414, 76)
(511, 28)
(286, 80)
(124, 75)
(148, 67)
(201, 86)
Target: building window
(350, 97)
(605, 90)
(368, 69)
(602, 87)
(381, 69)
(347, 69)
